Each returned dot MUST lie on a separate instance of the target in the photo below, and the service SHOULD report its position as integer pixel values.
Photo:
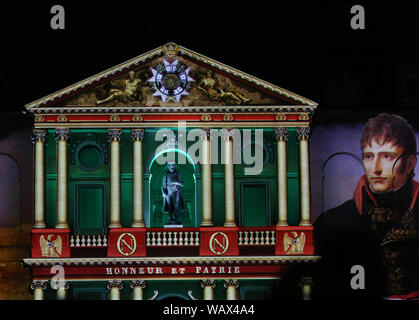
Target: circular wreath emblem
(170, 81)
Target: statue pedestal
(173, 225)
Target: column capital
(281, 134)
(39, 135)
(62, 134)
(39, 284)
(306, 281)
(205, 133)
(138, 283)
(208, 283)
(114, 134)
(303, 133)
(231, 283)
(119, 284)
(228, 133)
(137, 134)
(63, 284)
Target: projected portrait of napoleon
(378, 228)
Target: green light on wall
(172, 150)
(150, 179)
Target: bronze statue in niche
(173, 202)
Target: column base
(137, 225)
(115, 225)
(39, 225)
(305, 223)
(282, 224)
(230, 224)
(62, 225)
(206, 224)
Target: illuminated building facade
(100, 153)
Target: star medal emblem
(170, 81)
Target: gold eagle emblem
(294, 244)
(49, 247)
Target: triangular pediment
(170, 76)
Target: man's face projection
(383, 173)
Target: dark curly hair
(390, 128)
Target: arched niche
(155, 171)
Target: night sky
(308, 49)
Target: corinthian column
(137, 136)
(114, 286)
(38, 288)
(208, 285)
(229, 178)
(137, 287)
(114, 138)
(306, 283)
(61, 137)
(303, 134)
(231, 286)
(281, 136)
(38, 139)
(206, 178)
(62, 290)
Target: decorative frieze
(137, 118)
(228, 117)
(281, 117)
(115, 118)
(39, 118)
(175, 260)
(62, 118)
(206, 117)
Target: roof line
(95, 78)
(158, 51)
(246, 76)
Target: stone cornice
(174, 109)
(245, 260)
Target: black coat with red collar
(344, 239)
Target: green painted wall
(293, 161)
(256, 196)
